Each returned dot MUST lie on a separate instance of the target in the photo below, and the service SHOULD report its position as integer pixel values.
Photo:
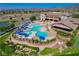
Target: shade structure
(42, 37)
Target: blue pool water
(41, 35)
(34, 27)
(22, 34)
(28, 32)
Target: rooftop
(56, 14)
(68, 23)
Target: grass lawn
(4, 48)
(76, 44)
(70, 52)
(56, 52)
(73, 38)
(51, 51)
(5, 36)
(4, 20)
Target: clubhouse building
(61, 21)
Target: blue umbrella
(42, 37)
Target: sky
(35, 5)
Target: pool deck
(51, 34)
(41, 47)
(53, 44)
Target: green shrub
(33, 53)
(32, 18)
(73, 38)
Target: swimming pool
(41, 35)
(34, 27)
(22, 34)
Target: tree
(22, 18)
(11, 18)
(12, 25)
(32, 18)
